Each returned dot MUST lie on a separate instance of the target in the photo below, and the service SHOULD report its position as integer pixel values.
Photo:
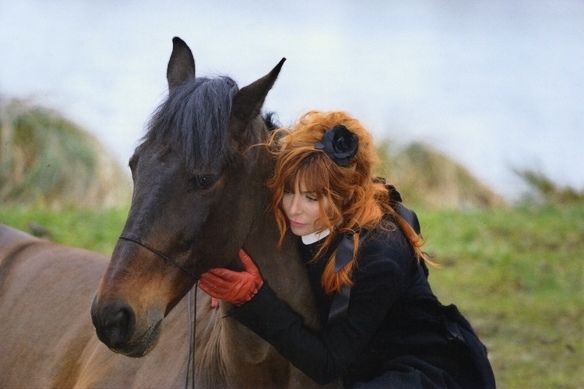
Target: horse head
(198, 188)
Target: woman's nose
(295, 205)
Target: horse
(47, 339)
(199, 195)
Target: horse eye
(203, 181)
(132, 163)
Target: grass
(96, 230)
(516, 273)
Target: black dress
(395, 332)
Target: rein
(192, 329)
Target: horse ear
(181, 66)
(249, 100)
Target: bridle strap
(192, 323)
(175, 263)
(161, 255)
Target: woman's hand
(233, 286)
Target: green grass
(516, 273)
(96, 230)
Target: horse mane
(271, 121)
(194, 120)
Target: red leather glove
(233, 286)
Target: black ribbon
(340, 304)
(343, 256)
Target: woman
(382, 325)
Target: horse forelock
(194, 120)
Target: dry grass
(46, 160)
(544, 190)
(428, 178)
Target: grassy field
(516, 273)
(96, 230)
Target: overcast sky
(495, 84)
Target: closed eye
(312, 197)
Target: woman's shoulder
(386, 244)
(386, 236)
(384, 262)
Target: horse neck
(282, 267)
(231, 353)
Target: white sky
(495, 84)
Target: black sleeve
(324, 356)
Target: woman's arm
(326, 355)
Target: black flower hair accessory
(340, 144)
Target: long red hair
(355, 199)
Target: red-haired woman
(382, 325)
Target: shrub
(47, 160)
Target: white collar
(315, 236)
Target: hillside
(47, 160)
(428, 178)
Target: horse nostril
(118, 323)
(120, 326)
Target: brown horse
(199, 196)
(46, 336)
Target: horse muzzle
(115, 326)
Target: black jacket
(392, 318)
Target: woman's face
(302, 210)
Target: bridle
(161, 255)
(191, 318)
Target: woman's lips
(296, 224)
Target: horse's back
(47, 339)
(12, 239)
(36, 267)
(46, 291)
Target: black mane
(194, 120)
(271, 121)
